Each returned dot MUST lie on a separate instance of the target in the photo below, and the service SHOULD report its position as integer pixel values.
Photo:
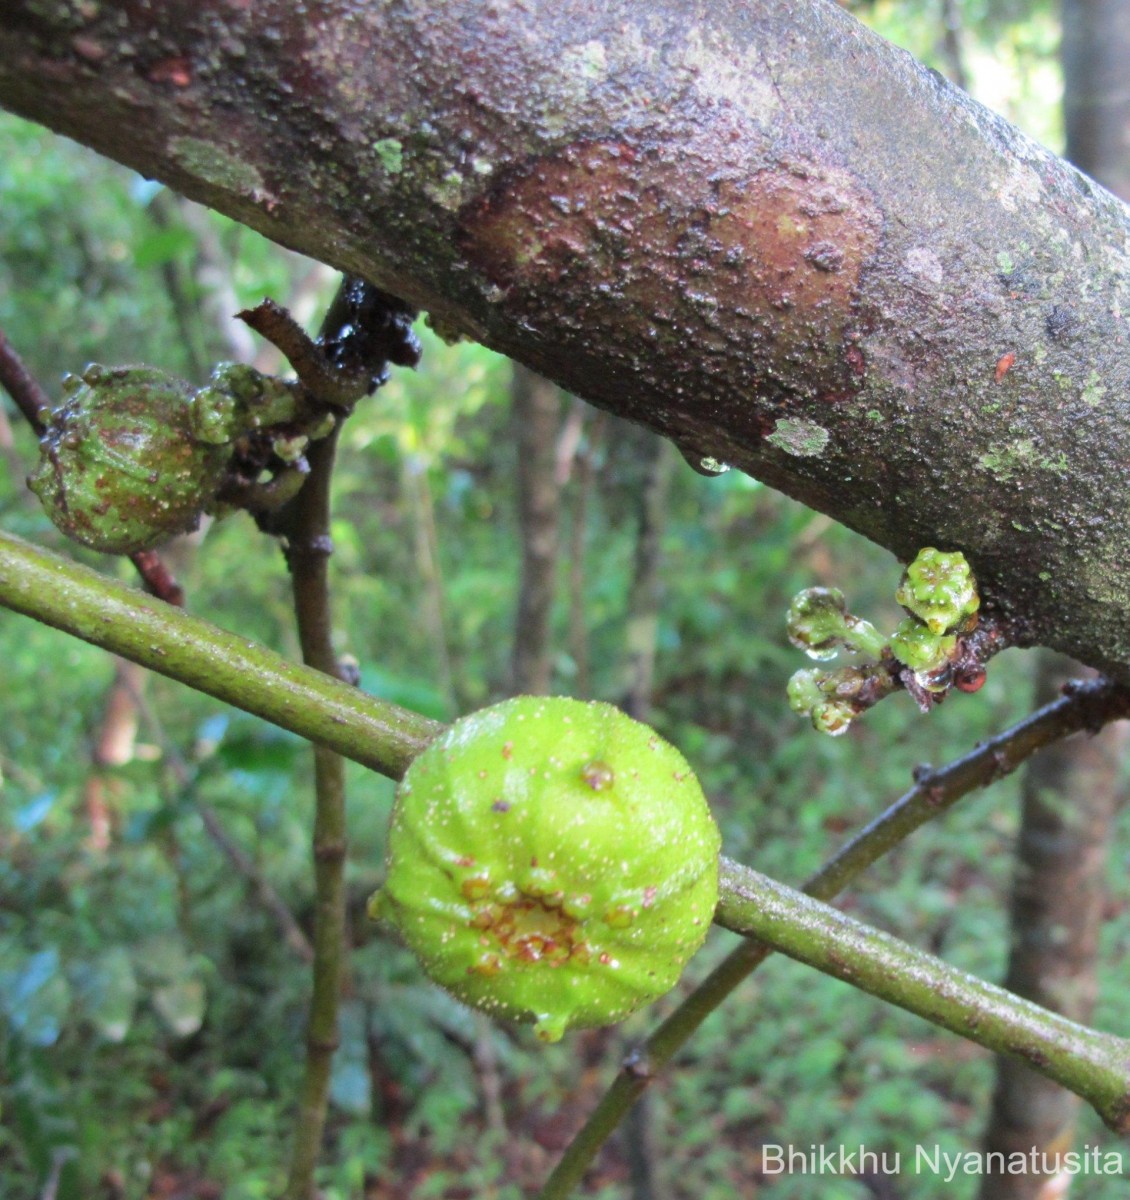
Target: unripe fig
(120, 467)
(135, 456)
(916, 647)
(551, 861)
(820, 624)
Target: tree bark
(752, 225)
(1069, 797)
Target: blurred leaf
(250, 745)
(152, 822)
(109, 993)
(36, 998)
(34, 812)
(181, 1005)
(350, 1087)
(210, 733)
(413, 693)
(161, 246)
(350, 1084)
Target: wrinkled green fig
(135, 456)
(551, 861)
(825, 697)
(120, 468)
(939, 589)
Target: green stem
(1087, 706)
(79, 601)
(1093, 1065)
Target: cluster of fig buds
(931, 651)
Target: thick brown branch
(702, 217)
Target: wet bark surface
(752, 226)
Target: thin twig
(1085, 706)
(363, 331)
(158, 579)
(22, 386)
(308, 548)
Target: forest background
(153, 998)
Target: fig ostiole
(551, 861)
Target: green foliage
(151, 1013)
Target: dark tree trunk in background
(1069, 797)
(1071, 791)
(584, 476)
(952, 38)
(641, 643)
(642, 631)
(535, 406)
(1096, 89)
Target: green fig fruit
(551, 861)
(120, 468)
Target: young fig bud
(917, 647)
(819, 624)
(551, 861)
(826, 697)
(939, 589)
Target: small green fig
(135, 456)
(551, 861)
(917, 647)
(939, 589)
(120, 468)
(826, 697)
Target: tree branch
(698, 216)
(108, 614)
(1094, 1065)
(386, 738)
(22, 386)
